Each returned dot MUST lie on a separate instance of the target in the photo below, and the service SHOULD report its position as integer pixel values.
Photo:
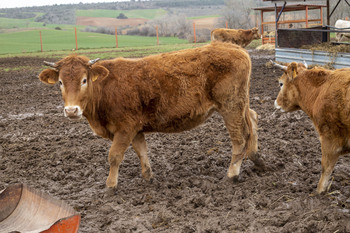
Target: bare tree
(173, 25)
(237, 13)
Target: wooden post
(262, 25)
(194, 32)
(328, 21)
(321, 14)
(116, 37)
(157, 35)
(276, 25)
(41, 42)
(76, 39)
(306, 16)
(226, 25)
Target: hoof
(318, 192)
(258, 161)
(148, 175)
(233, 179)
(111, 183)
(111, 191)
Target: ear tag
(294, 73)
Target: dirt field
(42, 149)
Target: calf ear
(49, 76)
(98, 71)
(292, 70)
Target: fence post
(226, 25)
(157, 35)
(76, 39)
(41, 42)
(194, 32)
(116, 38)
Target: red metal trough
(24, 209)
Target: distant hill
(65, 13)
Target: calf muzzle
(73, 112)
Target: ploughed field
(189, 193)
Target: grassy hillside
(29, 41)
(145, 13)
(6, 23)
(22, 35)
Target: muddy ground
(42, 149)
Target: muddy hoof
(111, 191)
(234, 179)
(258, 161)
(260, 164)
(148, 175)
(149, 180)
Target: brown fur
(240, 37)
(324, 96)
(170, 92)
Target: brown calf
(123, 99)
(324, 96)
(240, 37)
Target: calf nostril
(71, 110)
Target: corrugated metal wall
(337, 60)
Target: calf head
(75, 75)
(287, 99)
(256, 34)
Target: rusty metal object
(24, 209)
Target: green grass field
(145, 14)
(29, 41)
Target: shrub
(122, 16)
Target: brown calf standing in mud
(324, 95)
(241, 37)
(123, 99)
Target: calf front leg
(140, 146)
(115, 157)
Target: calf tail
(251, 147)
(252, 141)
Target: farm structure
(288, 41)
(268, 27)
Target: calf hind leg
(140, 146)
(329, 159)
(234, 122)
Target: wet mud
(189, 193)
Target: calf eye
(60, 82)
(281, 85)
(84, 81)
